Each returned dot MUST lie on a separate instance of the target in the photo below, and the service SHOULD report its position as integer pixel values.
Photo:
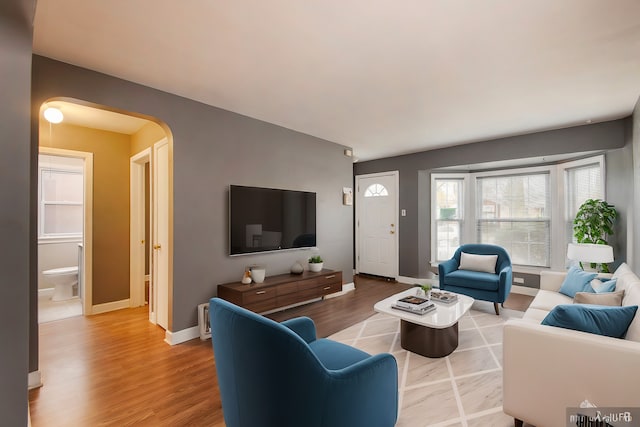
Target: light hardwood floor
(114, 369)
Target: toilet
(63, 279)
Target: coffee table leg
(429, 342)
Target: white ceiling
(384, 77)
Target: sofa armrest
(445, 268)
(551, 280)
(506, 280)
(303, 326)
(569, 366)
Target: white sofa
(548, 369)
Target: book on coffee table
(445, 297)
(413, 302)
(420, 311)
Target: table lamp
(590, 252)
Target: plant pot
(315, 266)
(258, 274)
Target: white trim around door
(139, 241)
(85, 270)
(389, 226)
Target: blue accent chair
(476, 284)
(280, 375)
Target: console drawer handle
(327, 288)
(261, 292)
(330, 277)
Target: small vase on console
(297, 268)
(246, 277)
(258, 273)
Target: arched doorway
(111, 241)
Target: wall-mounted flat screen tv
(267, 219)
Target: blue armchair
(280, 375)
(494, 287)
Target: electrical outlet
(518, 280)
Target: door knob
(157, 247)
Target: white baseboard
(110, 306)
(183, 335)
(34, 380)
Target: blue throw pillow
(596, 319)
(577, 280)
(608, 286)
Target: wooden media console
(282, 290)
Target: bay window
(528, 211)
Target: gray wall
(214, 148)
(415, 181)
(619, 174)
(15, 68)
(634, 131)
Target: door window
(376, 190)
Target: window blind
(449, 214)
(513, 211)
(582, 183)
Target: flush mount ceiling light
(53, 115)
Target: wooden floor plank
(114, 369)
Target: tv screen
(267, 219)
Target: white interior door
(377, 224)
(137, 230)
(160, 276)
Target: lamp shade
(590, 252)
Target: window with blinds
(513, 208)
(513, 211)
(582, 182)
(449, 216)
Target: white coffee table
(434, 334)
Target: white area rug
(462, 389)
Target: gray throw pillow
(605, 298)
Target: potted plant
(423, 290)
(315, 263)
(593, 223)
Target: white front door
(160, 272)
(377, 224)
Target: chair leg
(495, 307)
(518, 423)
